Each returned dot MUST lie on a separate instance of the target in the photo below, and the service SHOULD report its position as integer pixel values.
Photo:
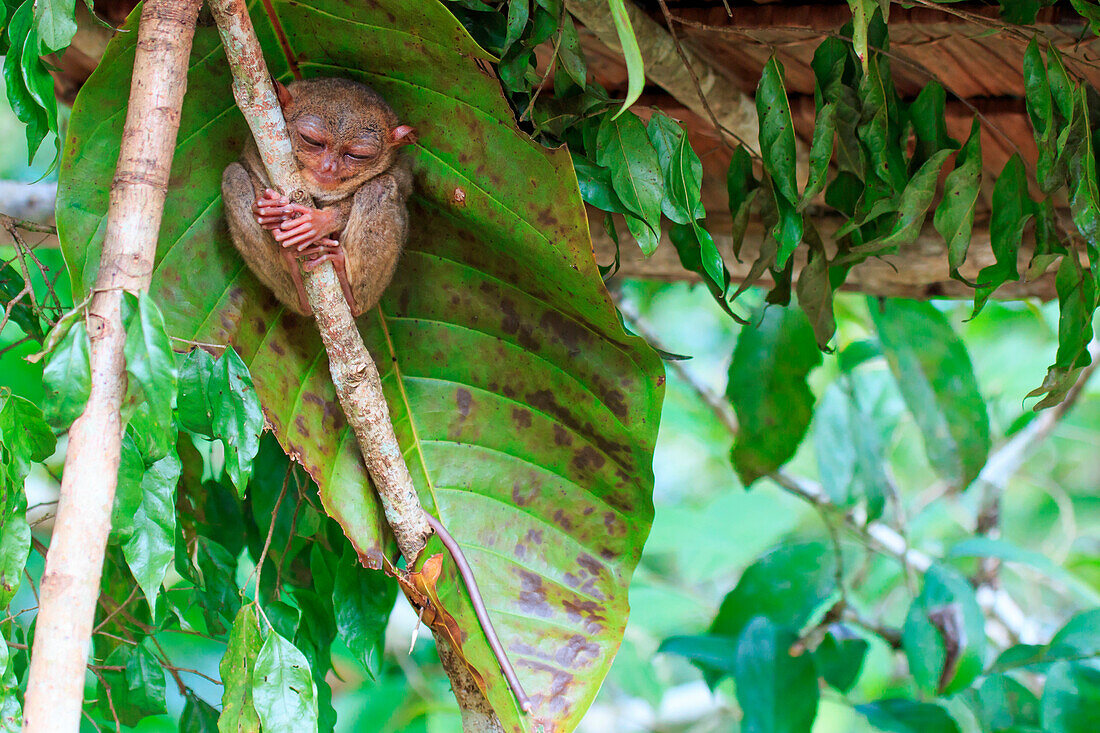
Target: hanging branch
(74, 563)
(354, 374)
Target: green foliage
(27, 30)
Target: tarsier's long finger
(301, 241)
(285, 235)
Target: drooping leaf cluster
(875, 159)
(29, 30)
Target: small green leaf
(282, 687)
(1071, 698)
(1040, 111)
(635, 70)
(681, 168)
(25, 438)
(1000, 703)
(570, 54)
(67, 376)
(777, 145)
(699, 254)
(192, 402)
(1012, 208)
(624, 148)
(237, 668)
(198, 716)
(595, 186)
(236, 414)
(768, 390)
(928, 117)
(933, 371)
(789, 586)
(821, 152)
(912, 208)
(1076, 303)
(708, 651)
(908, 716)
(362, 600)
(742, 187)
(15, 547)
(839, 658)
(1090, 11)
(55, 22)
(137, 691)
(518, 13)
(944, 633)
(815, 291)
(39, 85)
(850, 450)
(954, 217)
(128, 492)
(20, 312)
(777, 692)
(151, 364)
(151, 547)
(862, 10)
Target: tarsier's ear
(282, 93)
(403, 135)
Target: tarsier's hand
(271, 209)
(307, 227)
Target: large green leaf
(934, 374)
(768, 390)
(526, 413)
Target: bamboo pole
(74, 562)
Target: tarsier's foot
(271, 209)
(296, 276)
(329, 250)
(304, 227)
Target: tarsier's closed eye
(309, 140)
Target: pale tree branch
(1009, 458)
(354, 373)
(74, 562)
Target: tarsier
(346, 141)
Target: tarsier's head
(343, 133)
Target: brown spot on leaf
(521, 417)
(562, 436)
(462, 401)
(588, 459)
(532, 595)
(578, 652)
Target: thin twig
(107, 691)
(549, 64)
(695, 79)
(270, 533)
